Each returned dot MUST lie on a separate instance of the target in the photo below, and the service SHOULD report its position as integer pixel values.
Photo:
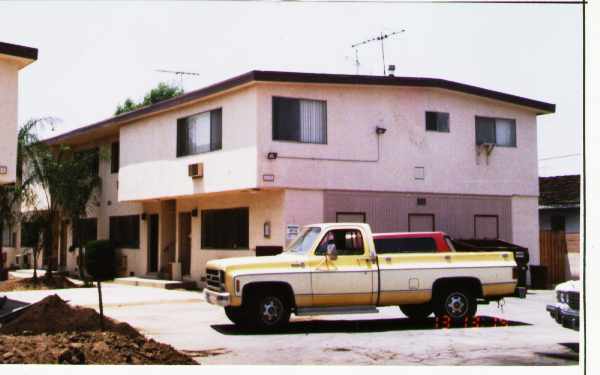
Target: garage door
(421, 222)
(486, 227)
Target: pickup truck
(336, 268)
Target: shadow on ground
(571, 352)
(370, 325)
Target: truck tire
(457, 303)
(268, 311)
(237, 315)
(417, 312)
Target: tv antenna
(180, 74)
(380, 38)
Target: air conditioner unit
(196, 170)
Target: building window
(351, 217)
(405, 245)
(557, 223)
(114, 157)
(299, 120)
(125, 231)
(501, 132)
(225, 229)
(9, 237)
(347, 242)
(199, 133)
(84, 231)
(437, 121)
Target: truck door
(347, 280)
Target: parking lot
(522, 333)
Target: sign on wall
(292, 231)
(3, 169)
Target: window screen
(225, 229)
(437, 121)
(199, 133)
(347, 242)
(405, 245)
(124, 231)
(299, 120)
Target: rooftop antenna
(180, 74)
(380, 38)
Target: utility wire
(560, 157)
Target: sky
(92, 56)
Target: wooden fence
(553, 255)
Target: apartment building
(13, 58)
(237, 167)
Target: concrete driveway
(521, 334)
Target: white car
(566, 310)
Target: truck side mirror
(331, 251)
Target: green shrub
(100, 260)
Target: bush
(100, 260)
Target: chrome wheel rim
(457, 305)
(271, 310)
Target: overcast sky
(94, 55)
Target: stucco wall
(8, 119)
(263, 206)
(151, 169)
(526, 230)
(449, 159)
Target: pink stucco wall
(449, 159)
(8, 119)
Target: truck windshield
(303, 243)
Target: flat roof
(104, 126)
(18, 51)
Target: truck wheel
(417, 312)
(236, 315)
(456, 303)
(269, 312)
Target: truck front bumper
(216, 298)
(568, 318)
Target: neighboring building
(230, 168)
(560, 214)
(13, 58)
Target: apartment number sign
(292, 231)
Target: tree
(162, 91)
(14, 195)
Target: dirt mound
(53, 315)
(88, 348)
(52, 331)
(56, 282)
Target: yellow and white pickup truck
(334, 268)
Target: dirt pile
(52, 331)
(53, 315)
(56, 282)
(88, 348)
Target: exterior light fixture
(272, 155)
(380, 130)
(267, 229)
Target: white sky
(94, 55)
